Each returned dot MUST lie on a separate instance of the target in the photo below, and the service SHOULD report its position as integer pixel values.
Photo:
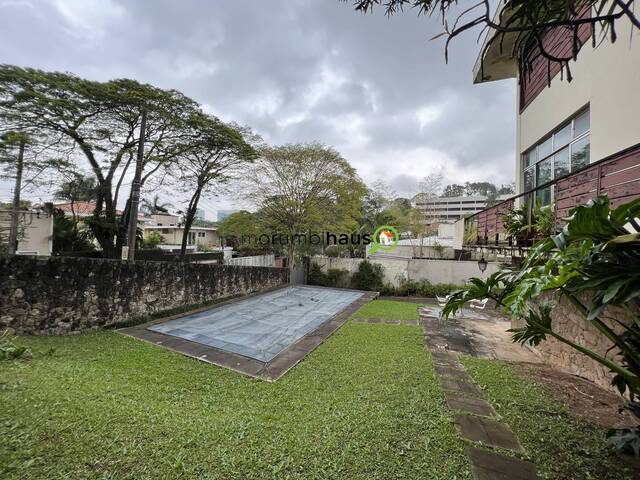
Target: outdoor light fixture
(482, 264)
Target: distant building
(35, 231)
(451, 209)
(171, 230)
(199, 214)
(222, 214)
(79, 209)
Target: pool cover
(261, 326)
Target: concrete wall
(35, 231)
(607, 79)
(253, 261)
(59, 295)
(435, 271)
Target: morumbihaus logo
(384, 238)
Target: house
(79, 209)
(171, 231)
(35, 231)
(385, 237)
(565, 127)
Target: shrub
(316, 276)
(368, 277)
(10, 351)
(419, 288)
(337, 277)
(332, 251)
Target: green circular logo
(385, 238)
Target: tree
(212, 156)
(454, 190)
(155, 206)
(523, 22)
(303, 189)
(20, 161)
(242, 230)
(98, 122)
(508, 189)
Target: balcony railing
(617, 176)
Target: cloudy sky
(295, 70)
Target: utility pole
(15, 211)
(135, 191)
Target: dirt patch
(581, 397)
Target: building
(451, 209)
(171, 232)
(585, 131)
(222, 214)
(79, 209)
(35, 231)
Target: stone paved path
(475, 419)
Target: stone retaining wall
(571, 324)
(58, 295)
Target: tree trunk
(188, 221)
(135, 191)
(15, 211)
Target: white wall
(608, 79)
(35, 231)
(435, 271)
(253, 261)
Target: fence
(617, 176)
(253, 261)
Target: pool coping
(267, 371)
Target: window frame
(555, 149)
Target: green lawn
(562, 446)
(389, 310)
(365, 404)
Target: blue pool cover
(261, 326)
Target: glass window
(562, 137)
(580, 155)
(581, 124)
(543, 197)
(529, 179)
(561, 163)
(543, 172)
(544, 149)
(530, 157)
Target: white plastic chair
(479, 304)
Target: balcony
(618, 177)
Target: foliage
(346, 411)
(212, 154)
(419, 288)
(545, 220)
(302, 188)
(521, 22)
(368, 277)
(242, 230)
(152, 240)
(155, 206)
(70, 234)
(524, 222)
(10, 351)
(596, 257)
(470, 233)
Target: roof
(497, 63)
(81, 209)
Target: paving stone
(392, 322)
(451, 371)
(494, 466)
(475, 406)
(487, 431)
(410, 322)
(458, 385)
(373, 320)
(359, 320)
(446, 357)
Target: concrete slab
(487, 431)
(494, 466)
(465, 404)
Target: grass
(562, 446)
(388, 310)
(364, 405)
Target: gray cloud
(295, 70)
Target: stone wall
(58, 295)
(569, 323)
